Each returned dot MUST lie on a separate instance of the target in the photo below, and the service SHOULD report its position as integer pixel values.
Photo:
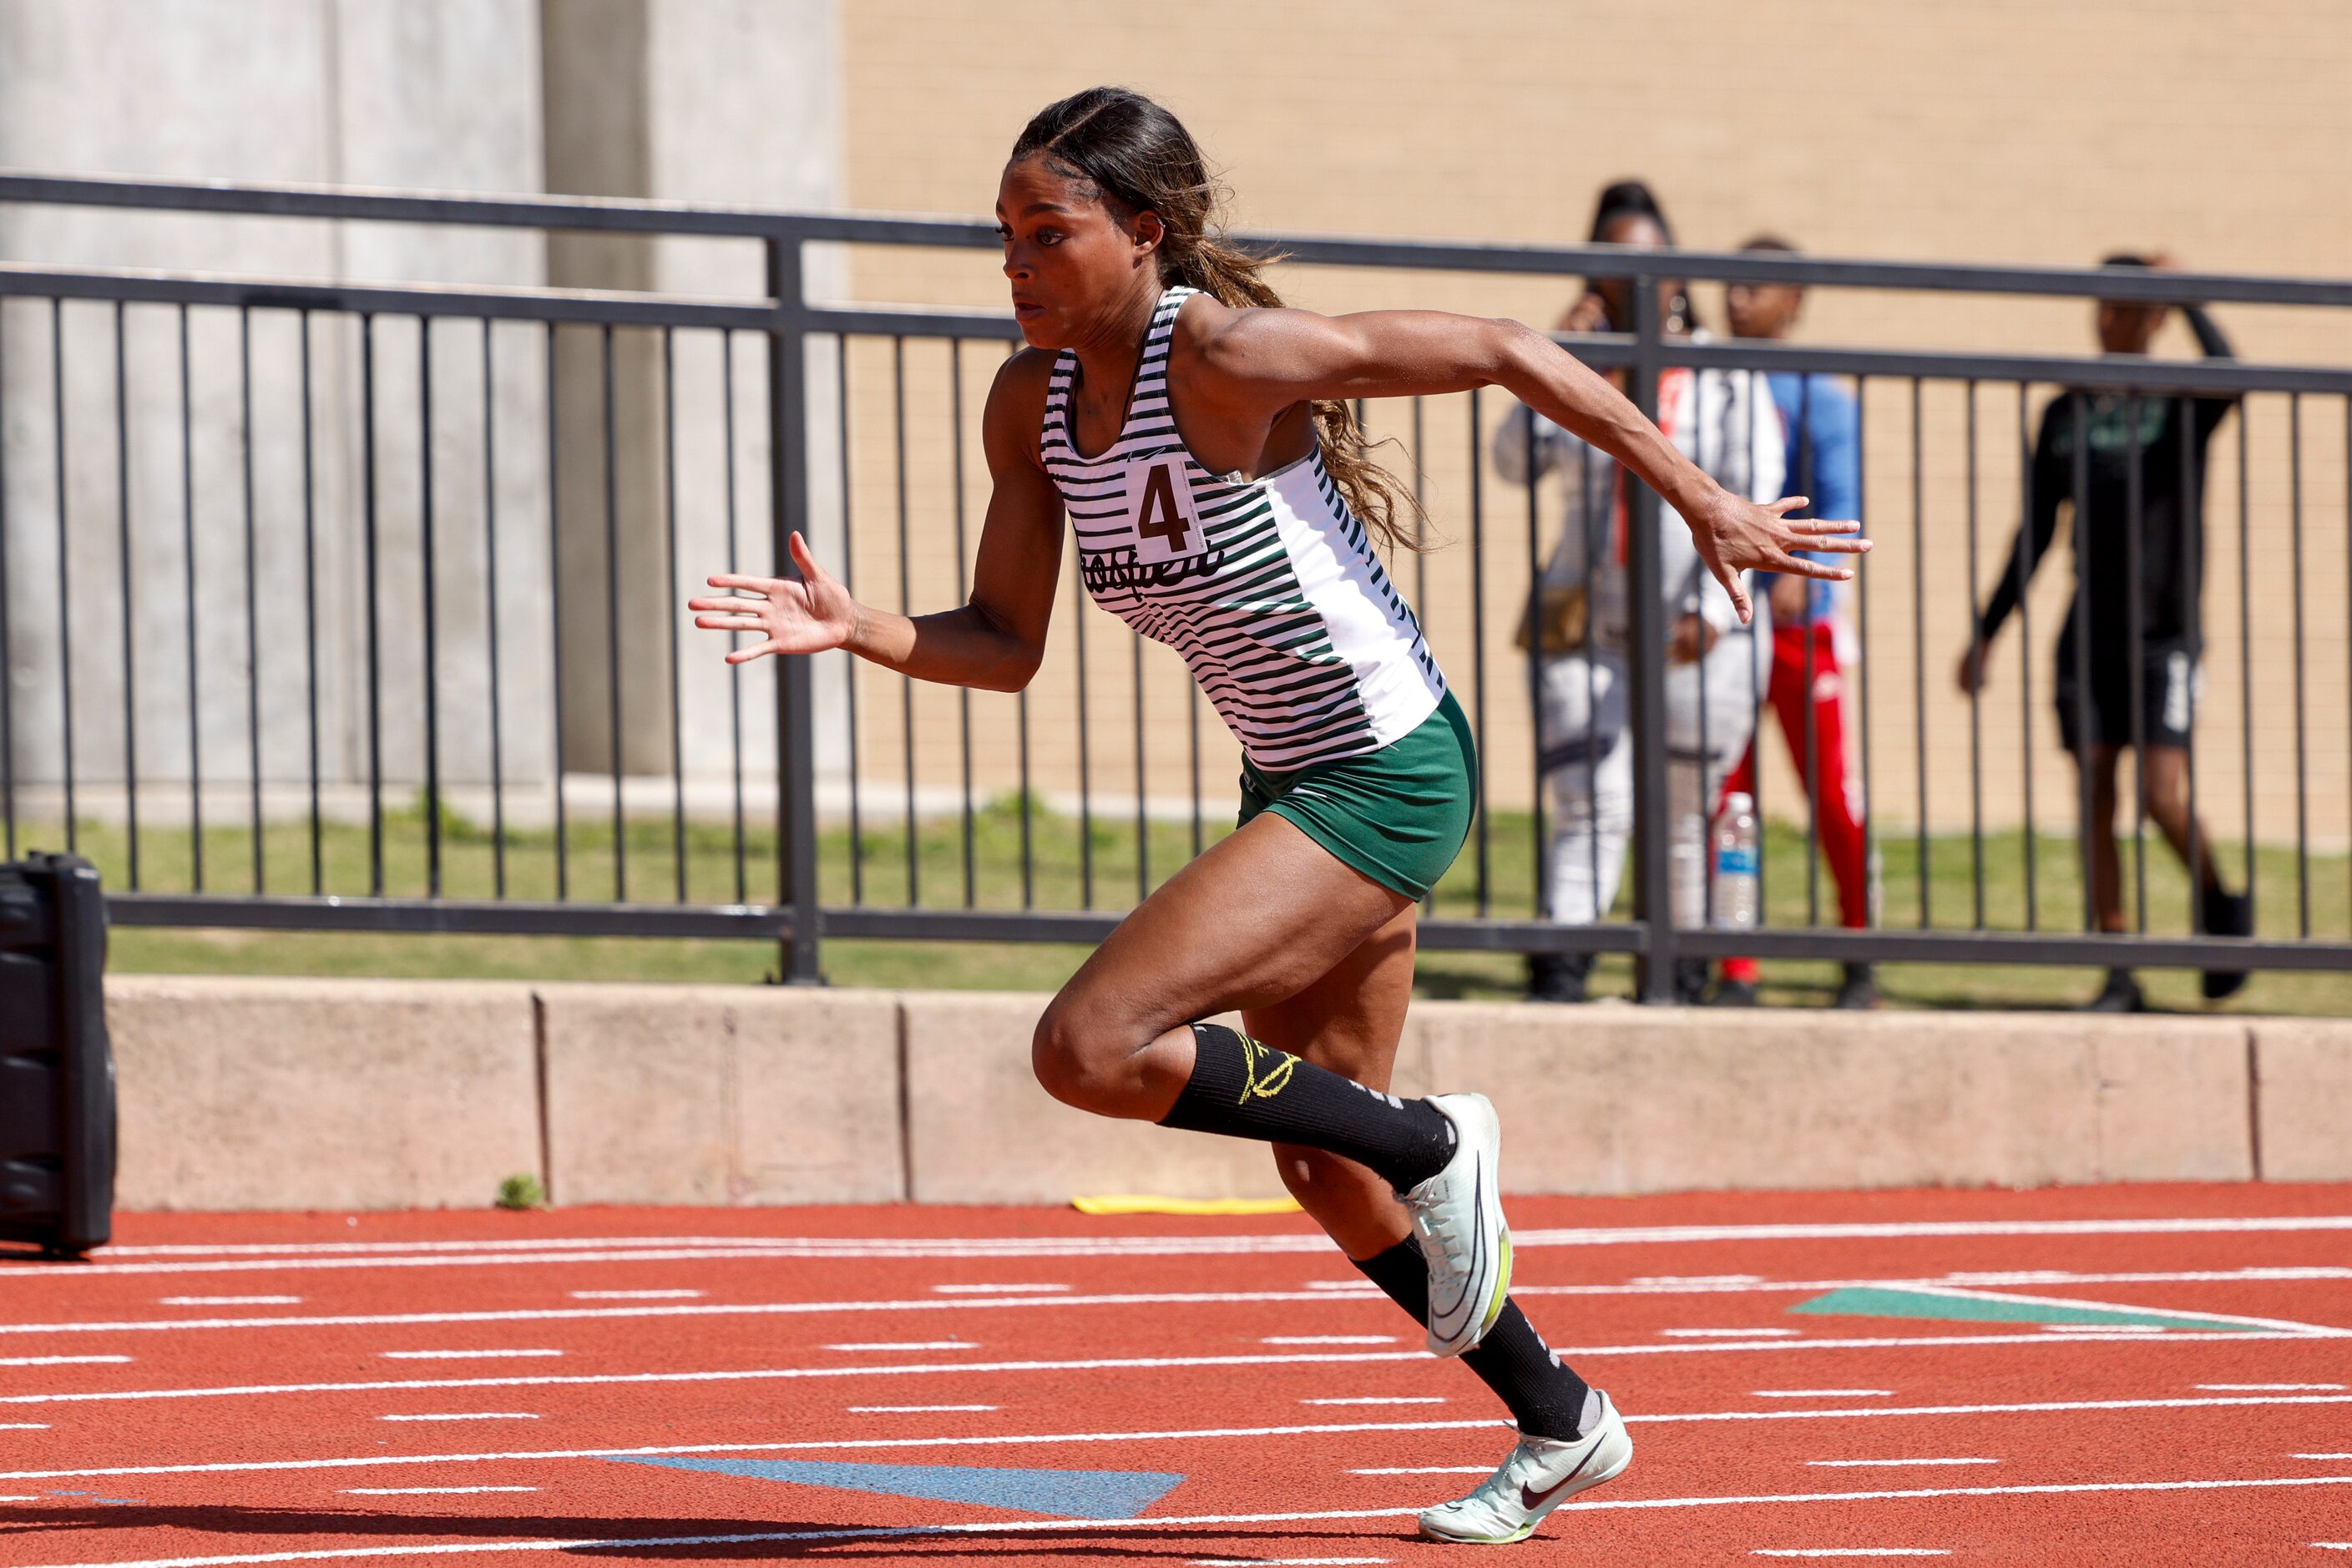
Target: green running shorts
(1398, 815)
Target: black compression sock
(1545, 1397)
(1244, 1088)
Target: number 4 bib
(1166, 528)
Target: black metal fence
(354, 606)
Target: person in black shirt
(2142, 536)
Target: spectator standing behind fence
(2137, 499)
(1580, 619)
(1812, 640)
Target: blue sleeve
(1837, 452)
(1832, 425)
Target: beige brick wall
(2001, 131)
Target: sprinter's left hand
(1735, 535)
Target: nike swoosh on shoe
(1531, 1501)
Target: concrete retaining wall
(2303, 1098)
(378, 1094)
(292, 1094)
(720, 1095)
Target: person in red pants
(1811, 644)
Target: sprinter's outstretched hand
(809, 616)
(1734, 535)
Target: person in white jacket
(1580, 622)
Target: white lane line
(1978, 1278)
(63, 1360)
(499, 1244)
(28, 1497)
(429, 1492)
(1014, 1440)
(2103, 1328)
(1383, 1399)
(1329, 1340)
(2270, 1387)
(1854, 1464)
(1850, 1552)
(913, 1409)
(469, 1415)
(1315, 1292)
(23, 1426)
(2333, 1545)
(1303, 1240)
(908, 1345)
(1108, 1363)
(2337, 1458)
(997, 1289)
(1025, 1526)
(1427, 1470)
(1823, 1392)
(634, 1250)
(1731, 1333)
(229, 1300)
(464, 1355)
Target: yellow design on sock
(1276, 1076)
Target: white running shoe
(1540, 1474)
(1457, 1216)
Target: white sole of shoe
(1476, 1123)
(1612, 1451)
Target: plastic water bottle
(1737, 887)
(1687, 856)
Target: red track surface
(250, 1431)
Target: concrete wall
(284, 1094)
(719, 100)
(729, 102)
(367, 1094)
(2303, 1098)
(440, 94)
(711, 1095)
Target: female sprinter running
(1196, 434)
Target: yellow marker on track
(1146, 1202)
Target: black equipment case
(57, 1073)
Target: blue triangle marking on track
(1067, 1494)
(1878, 1302)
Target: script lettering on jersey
(1160, 502)
(1109, 569)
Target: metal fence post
(788, 511)
(1652, 825)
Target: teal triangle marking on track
(1881, 1302)
(1067, 1494)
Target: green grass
(522, 1190)
(1097, 868)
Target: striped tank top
(1267, 587)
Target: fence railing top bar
(614, 215)
(229, 197)
(1611, 351)
(2116, 372)
(883, 320)
(2138, 283)
(500, 303)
